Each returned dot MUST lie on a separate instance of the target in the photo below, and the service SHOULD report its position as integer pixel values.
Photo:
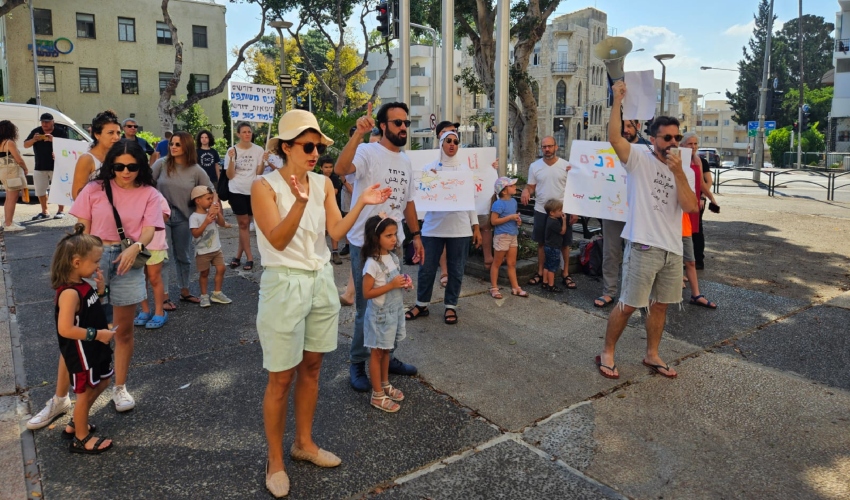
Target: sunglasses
(308, 147)
(175, 144)
(668, 137)
(399, 123)
(132, 167)
(452, 141)
(131, 126)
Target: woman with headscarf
(451, 231)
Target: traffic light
(804, 125)
(383, 10)
(586, 123)
(768, 108)
(394, 31)
(795, 127)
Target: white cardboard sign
(66, 153)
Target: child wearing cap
(207, 244)
(505, 221)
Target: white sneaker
(122, 399)
(251, 227)
(53, 408)
(13, 228)
(220, 298)
(205, 301)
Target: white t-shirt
(654, 216)
(373, 269)
(455, 224)
(550, 181)
(345, 196)
(275, 163)
(209, 241)
(376, 164)
(247, 161)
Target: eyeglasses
(132, 167)
(131, 126)
(175, 144)
(547, 146)
(668, 137)
(399, 123)
(308, 147)
(452, 141)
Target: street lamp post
(281, 25)
(661, 58)
(310, 91)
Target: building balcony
(420, 51)
(842, 46)
(740, 128)
(420, 111)
(565, 110)
(420, 81)
(564, 29)
(559, 68)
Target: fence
(821, 160)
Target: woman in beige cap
(297, 318)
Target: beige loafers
(277, 483)
(323, 458)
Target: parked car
(27, 117)
(710, 154)
(727, 164)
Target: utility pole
(502, 58)
(404, 51)
(759, 161)
(34, 56)
(802, 100)
(448, 31)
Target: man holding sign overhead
(658, 192)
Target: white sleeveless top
(307, 250)
(97, 163)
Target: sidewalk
(507, 403)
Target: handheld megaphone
(612, 52)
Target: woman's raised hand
(375, 196)
(297, 190)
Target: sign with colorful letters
(66, 153)
(252, 102)
(443, 190)
(477, 160)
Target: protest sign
(66, 153)
(252, 102)
(443, 190)
(477, 160)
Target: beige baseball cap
(292, 124)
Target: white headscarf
(446, 160)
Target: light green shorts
(157, 257)
(298, 311)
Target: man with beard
(612, 242)
(547, 178)
(658, 191)
(378, 162)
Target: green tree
(228, 122)
(819, 101)
(818, 45)
(779, 142)
(744, 102)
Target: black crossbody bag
(144, 254)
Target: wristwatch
(415, 233)
(141, 245)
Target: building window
(535, 56)
(199, 36)
(581, 53)
(129, 81)
(46, 79)
(163, 34)
(579, 94)
(202, 83)
(85, 26)
(476, 102)
(126, 29)
(164, 78)
(88, 80)
(561, 98)
(563, 52)
(535, 91)
(43, 19)
(417, 70)
(417, 100)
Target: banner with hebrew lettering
(443, 190)
(252, 102)
(478, 160)
(66, 153)
(596, 184)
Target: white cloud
(654, 39)
(741, 29)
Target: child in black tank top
(83, 331)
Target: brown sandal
(494, 292)
(519, 292)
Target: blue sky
(699, 33)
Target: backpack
(590, 257)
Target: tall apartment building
(716, 129)
(95, 55)
(688, 106)
(840, 113)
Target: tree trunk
(9, 5)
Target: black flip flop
(657, 369)
(600, 366)
(234, 263)
(190, 298)
(249, 265)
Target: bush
(148, 136)
(221, 146)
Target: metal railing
(564, 110)
(803, 176)
(560, 68)
(842, 45)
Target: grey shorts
(127, 289)
(42, 180)
(650, 274)
(688, 249)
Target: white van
(27, 117)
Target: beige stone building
(688, 109)
(96, 54)
(716, 129)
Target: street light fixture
(661, 58)
(719, 69)
(702, 114)
(280, 25)
(310, 92)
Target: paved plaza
(507, 404)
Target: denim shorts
(298, 311)
(553, 259)
(650, 274)
(688, 249)
(127, 289)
